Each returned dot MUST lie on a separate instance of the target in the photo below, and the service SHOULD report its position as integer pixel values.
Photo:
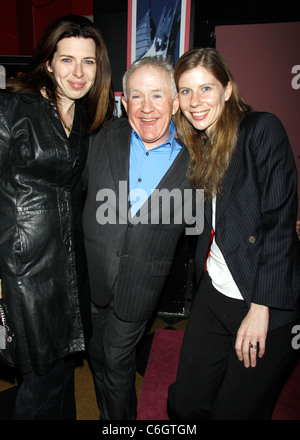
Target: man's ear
(124, 102)
(175, 104)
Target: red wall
(261, 58)
(23, 21)
(9, 44)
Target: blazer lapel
(118, 149)
(208, 212)
(173, 178)
(176, 174)
(230, 175)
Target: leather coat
(42, 265)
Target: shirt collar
(171, 142)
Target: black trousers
(211, 382)
(112, 354)
(50, 396)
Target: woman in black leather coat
(44, 128)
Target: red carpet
(161, 372)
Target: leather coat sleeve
(4, 149)
(4, 141)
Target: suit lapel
(208, 212)
(118, 149)
(176, 174)
(173, 178)
(229, 178)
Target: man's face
(150, 104)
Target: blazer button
(118, 254)
(252, 239)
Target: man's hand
(252, 334)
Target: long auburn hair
(99, 101)
(210, 155)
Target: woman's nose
(196, 100)
(78, 70)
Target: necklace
(68, 127)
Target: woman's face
(74, 67)
(202, 97)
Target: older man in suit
(129, 246)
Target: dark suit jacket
(256, 219)
(134, 259)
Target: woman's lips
(198, 116)
(77, 86)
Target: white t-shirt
(217, 268)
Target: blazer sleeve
(277, 178)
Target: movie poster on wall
(158, 27)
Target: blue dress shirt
(147, 167)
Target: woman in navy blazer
(237, 348)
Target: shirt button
(252, 239)
(139, 179)
(147, 154)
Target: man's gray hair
(158, 62)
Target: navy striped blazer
(256, 214)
